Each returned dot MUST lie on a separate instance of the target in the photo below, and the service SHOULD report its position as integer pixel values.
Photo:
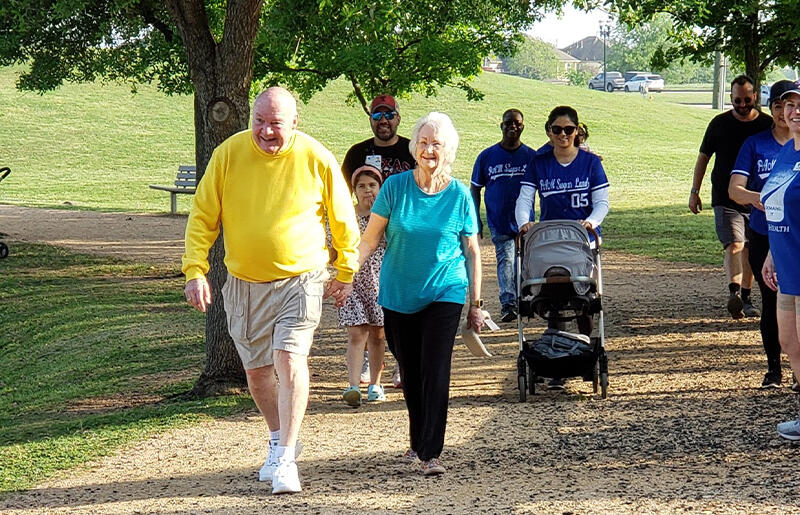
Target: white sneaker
(285, 479)
(271, 463)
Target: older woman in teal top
(432, 264)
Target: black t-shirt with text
(724, 137)
(393, 159)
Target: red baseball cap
(383, 101)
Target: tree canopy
(534, 59)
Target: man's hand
(695, 204)
(339, 291)
(198, 293)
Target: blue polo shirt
(500, 172)
(424, 260)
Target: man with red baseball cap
(386, 151)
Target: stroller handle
(4, 171)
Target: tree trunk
(222, 74)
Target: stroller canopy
(557, 243)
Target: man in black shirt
(724, 137)
(386, 150)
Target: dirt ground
(685, 427)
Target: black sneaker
(749, 310)
(735, 305)
(556, 383)
(508, 314)
(771, 380)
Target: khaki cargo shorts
(280, 314)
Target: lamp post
(605, 31)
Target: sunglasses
(557, 129)
(745, 100)
(377, 115)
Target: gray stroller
(559, 278)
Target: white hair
(445, 130)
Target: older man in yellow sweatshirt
(269, 188)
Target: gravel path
(685, 427)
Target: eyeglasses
(557, 129)
(377, 115)
(745, 100)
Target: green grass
(97, 147)
(90, 353)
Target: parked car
(765, 94)
(653, 82)
(613, 80)
(630, 75)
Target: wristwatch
(477, 303)
(694, 191)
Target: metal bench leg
(173, 202)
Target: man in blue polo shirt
(499, 169)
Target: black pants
(759, 247)
(422, 344)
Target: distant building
(492, 64)
(589, 51)
(566, 63)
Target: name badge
(374, 160)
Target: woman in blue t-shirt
(432, 261)
(781, 200)
(750, 172)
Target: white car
(650, 82)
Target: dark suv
(613, 80)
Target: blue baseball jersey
(781, 199)
(565, 192)
(500, 172)
(755, 161)
(424, 260)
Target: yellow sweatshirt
(271, 207)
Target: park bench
(185, 182)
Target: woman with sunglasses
(572, 185)
(571, 182)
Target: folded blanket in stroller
(558, 344)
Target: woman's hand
(769, 274)
(475, 318)
(526, 227)
(586, 224)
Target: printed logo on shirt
(796, 167)
(557, 185)
(505, 170)
(765, 166)
(773, 200)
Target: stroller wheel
(3, 250)
(523, 388)
(604, 385)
